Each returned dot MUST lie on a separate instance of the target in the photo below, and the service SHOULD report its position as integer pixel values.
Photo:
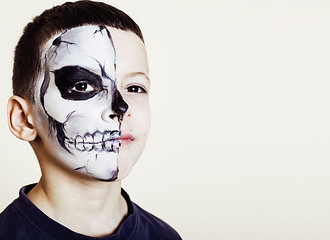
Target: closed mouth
(126, 139)
(108, 141)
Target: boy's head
(27, 64)
(81, 85)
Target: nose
(118, 105)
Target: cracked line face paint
(81, 108)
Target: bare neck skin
(95, 208)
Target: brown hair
(27, 61)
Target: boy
(81, 85)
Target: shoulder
(15, 223)
(144, 225)
(7, 219)
(152, 226)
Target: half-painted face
(81, 108)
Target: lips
(108, 141)
(126, 139)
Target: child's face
(92, 100)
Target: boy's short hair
(27, 60)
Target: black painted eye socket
(136, 89)
(77, 83)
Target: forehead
(131, 56)
(92, 46)
(86, 46)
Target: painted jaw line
(79, 97)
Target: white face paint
(81, 108)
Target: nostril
(112, 116)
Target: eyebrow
(134, 74)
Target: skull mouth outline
(108, 141)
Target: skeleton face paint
(81, 108)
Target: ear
(20, 119)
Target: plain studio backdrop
(240, 137)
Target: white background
(239, 145)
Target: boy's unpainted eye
(136, 89)
(82, 87)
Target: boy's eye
(82, 87)
(135, 89)
(77, 83)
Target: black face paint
(44, 87)
(57, 41)
(118, 105)
(60, 132)
(77, 83)
(54, 125)
(113, 178)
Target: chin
(113, 179)
(125, 165)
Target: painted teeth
(108, 146)
(88, 142)
(79, 143)
(108, 141)
(98, 141)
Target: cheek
(138, 124)
(62, 110)
(139, 116)
(57, 107)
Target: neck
(95, 208)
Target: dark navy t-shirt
(24, 221)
